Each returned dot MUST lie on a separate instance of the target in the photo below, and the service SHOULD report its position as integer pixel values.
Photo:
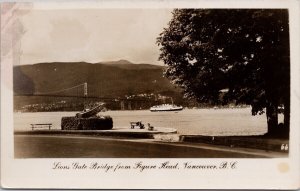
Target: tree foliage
(239, 54)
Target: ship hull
(166, 109)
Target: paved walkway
(115, 132)
(169, 135)
(63, 146)
(254, 142)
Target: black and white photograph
(163, 89)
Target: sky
(92, 35)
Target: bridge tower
(85, 88)
(85, 94)
(122, 105)
(129, 105)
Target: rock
(91, 123)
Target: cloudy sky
(92, 35)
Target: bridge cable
(59, 91)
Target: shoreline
(197, 122)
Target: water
(188, 121)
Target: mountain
(105, 79)
(129, 65)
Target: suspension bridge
(78, 94)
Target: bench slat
(41, 125)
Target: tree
(242, 54)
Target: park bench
(137, 124)
(41, 125)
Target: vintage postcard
(150, 94)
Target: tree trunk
(272, 117)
